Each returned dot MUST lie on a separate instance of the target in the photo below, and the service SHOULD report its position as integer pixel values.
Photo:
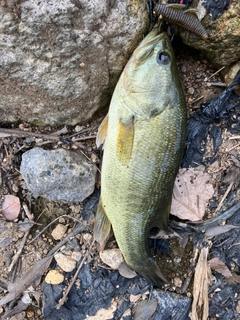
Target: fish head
(151, 74)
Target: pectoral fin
(125, 138)
(102, 226)
(102, 132)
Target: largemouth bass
(144, 136)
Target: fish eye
(163, 58)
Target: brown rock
(222, 48)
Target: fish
(143, 137)
(186, 19)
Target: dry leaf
(191, 194)
(219, 266)
(145, 309)
(21, 284)
(233, 279)
(214, 231)
(200, 287)
(126, 271)
(10, 207)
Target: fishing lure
(186, 19)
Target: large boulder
(60, 60)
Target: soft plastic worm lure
(186, 19)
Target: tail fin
(149, 270)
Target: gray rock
(58, 174)
(60, 60)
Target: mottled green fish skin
(143, 151)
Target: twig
(90, 161)
(20, 133)
(236, 137)
(219, 70)
(24, 239)
(195, 227)
(63, 216)
(237, 145)
(18, 253)
(27, 211)
(64, 298)
(215, 84)
(196, 100)
(218, 219)
(86, 138)
(225, 195)
(191, 271)
(82, 131)
(68, 237)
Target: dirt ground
(198, 81)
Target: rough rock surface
(58, 174)
(60, 60)
(222, 48)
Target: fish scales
(142, 152)
(189, 21)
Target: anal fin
(102, 226)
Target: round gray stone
(58, 174)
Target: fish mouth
(154, 36)
(145, 48)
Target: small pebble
(191, 90)
(78, 128)
(112, 257)
(59, 231)
(177, 282)
(30, 314)
(87, 237)
(183, 69)
(66, 263)
(54, 277)
(76, 255)
(134, 298)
